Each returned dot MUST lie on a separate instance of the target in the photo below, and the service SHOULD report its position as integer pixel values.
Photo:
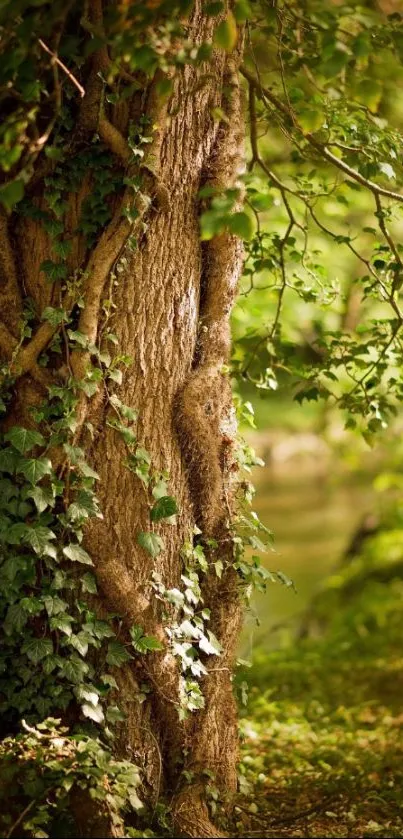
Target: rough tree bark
(173, 302)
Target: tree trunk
(172, 303)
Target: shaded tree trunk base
(191, 817)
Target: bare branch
(65, 69)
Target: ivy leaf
(101, 629)
(80, 643)
(163, 508)
(35, 469)
(87, 470)
(211, 646)
(74, 669)
(37, 648)
(160, 489)
(117, 654)
(54, 316)
(151, 542)
(42, 496)
(24, 439)
(53, 270)
(116, 376)
(89, 583)
(286, 581)
(54, 605)
(86, 693)
(38, 538)
(93, 712)
(144, 643)
(62, 623)
(76, 553)
(15, 619)
(114, 714)
(78, 338)
(109, 680)
(15, 534)
(9, 460)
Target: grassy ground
(322, 734)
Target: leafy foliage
(45, 766)
(320, 747)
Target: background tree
(114, 121)
(123, 180)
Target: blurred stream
(313, 504)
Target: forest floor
(322, 751)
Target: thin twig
(65, 69)
(319, 147)
(21, 817)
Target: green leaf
(135, 801)
(76, 553)
(211, 646)
(80, 642)
(151, 542)
(212, 224)
(109, 680)
(144, 643)
(311, 120)
(62, 623)
(241, 224)
(226, 34)
(53, 271)
(42, 496)
(286, 581)
(369, 93)
(74, 668)
(116, 376)
(35, 469)
(11, 194)
(78, 338)
(114, 714)
(38, 538)
(87, 470)
(86, 693)
(89, 583)
(242, 11)
(54, 316)
(160, 489)
(37, 648)
(387, 170)
(15, 619)
(9, 460)
(163, 508)
(54, 605)
(15, 534)
(93, 712)
(117, 654)
(24, 439)
(335, 63)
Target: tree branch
(65, 69)
(319, 147)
